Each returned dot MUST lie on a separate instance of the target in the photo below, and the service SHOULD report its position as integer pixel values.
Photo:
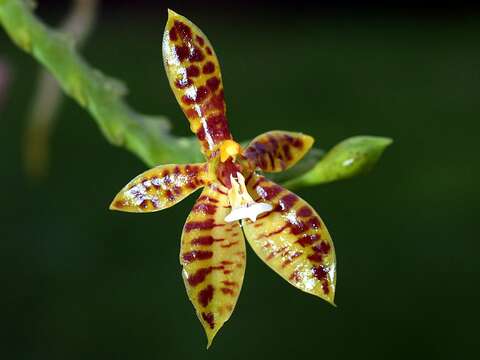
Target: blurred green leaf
(146, 136)
(353, 156)
(149, 137)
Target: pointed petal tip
(171, 13)
(331, 301)
(210, 334)
(113, 205)
(308, 140)
(329, 298)
(118, 204)
(174, 15)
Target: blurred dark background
(81, 282)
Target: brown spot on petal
(213, 83)
(314, 223)
(197, 255)
(193, 71)
(295, 276)
(172, 34)
(208, 68)
(200, 225)
(324, 247)
(269, 192)
(205, 197)
(275, 252)
(298, 143)
(286, 151)
(209, 209)
(200, 40)
(202, 93)
(209, 319)
(319, 272)
(218, 127)
(229, 244)
(145, 204)
(290, 259)
(206, 295)
(275, 232)
(196, 55)
(170, 196)
(287, 202)
(308, 239)
(187, 100)
(304, 212)
(199, 276)
(316, 257)
(204, 240)
(228, 291)
(183, 30)
(182, 52)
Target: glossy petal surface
(213, 259)
(194, 74)
(160, 188)
(276, 151)
(292, 240)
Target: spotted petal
(194, 75)
(292, 240)
(213, 259)
(160, 188)
(276, 151)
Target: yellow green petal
(277, 150)
(213, 258)
(292, 240)
(193, 72)
(160, 187)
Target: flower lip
(243, 206)
(248, 212)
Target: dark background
(80, 282)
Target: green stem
(146, 136)
(48, 97)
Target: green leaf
(103, 97)
(351, 157)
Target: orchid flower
(236, 201)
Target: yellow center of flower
(229, 148)
(243, 206)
